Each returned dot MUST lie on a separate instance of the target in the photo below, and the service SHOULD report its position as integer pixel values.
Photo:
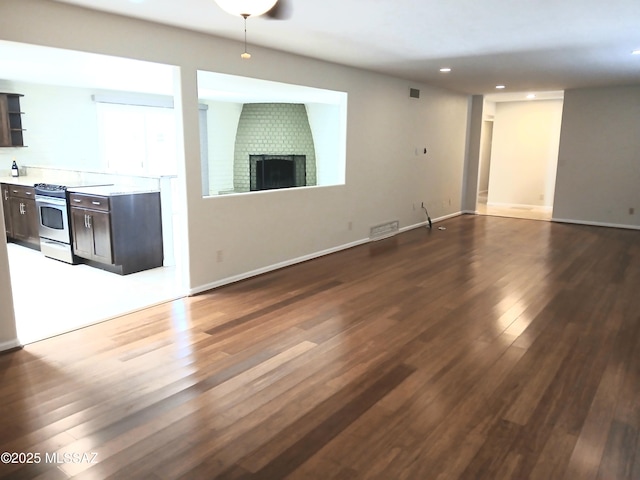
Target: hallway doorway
(519, 146)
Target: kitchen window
(137, 139)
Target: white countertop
(23, 181)
(92, 186)
(111, 190)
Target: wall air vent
(414, 93)
(384, 230)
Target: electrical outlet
(219, 256)
(350, 225)
(632, 210)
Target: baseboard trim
(595, 224)
(446, 217)
(519, 205)
(276, 266)
(304, 258)
(10, 345)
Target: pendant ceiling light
(246, 8)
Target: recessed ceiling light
(500, 87)
(636, 52)
(531, 96)
(445, 70)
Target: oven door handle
(58, 202)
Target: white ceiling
(527, 45)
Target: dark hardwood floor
(495, 349)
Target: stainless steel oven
(55, 234)
(52, 203)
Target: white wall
(222, 124)
(599, 159)
(472, 161)
(329, 142)
(485, 155)
(488, 116)
(8, 332)
(61, 127)
(385, 179)
(524, 152)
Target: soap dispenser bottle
(15, 172)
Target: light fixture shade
(246, 7)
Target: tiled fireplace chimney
(278, 130)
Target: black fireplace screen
(269, 172)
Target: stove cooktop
(50, 190)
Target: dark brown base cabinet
(119, 233)
(91, 235)
(6, 209)
(21, 215)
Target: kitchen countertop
(112, 190)
(104, 190)
(23, 181)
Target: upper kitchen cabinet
(10, 120)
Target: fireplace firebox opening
(269, 172)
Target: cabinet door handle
(22, 209)
(28, 193)
(77, 200)
(88, 221)
(97, 203)
(6, 194)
